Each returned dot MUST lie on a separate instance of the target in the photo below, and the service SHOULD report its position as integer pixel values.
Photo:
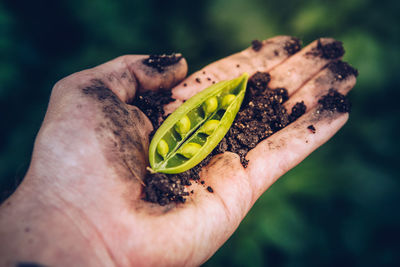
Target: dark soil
(334, 101)
(151, 103)
(162, 189)
(311, 128)
(342, 70)
(297, 110)
(292, 46)
(329, 51)
(262, 114)
(160, 62)
(256, 45)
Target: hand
(80, 202)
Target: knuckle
(73, 79)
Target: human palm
(90, 158)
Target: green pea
(210, 105)
(183, 125)
(162, 148)
(189, 141)
(210, 126)
(189, 150)
(227, 100)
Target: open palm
(91, 155)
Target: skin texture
(80, 202)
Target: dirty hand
(80, 203)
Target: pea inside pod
(193, 130)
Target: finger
(276, 155)
(126, 75)
(338, 75)
(299, 68)
(271, 52)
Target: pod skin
(174, 161)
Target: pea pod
(205, 119)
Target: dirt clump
(334, 101)
(292, 46)
(256, 45)
(151, 104)
(342, 70)
(311, 128)
(330, 50)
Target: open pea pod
(193, 130)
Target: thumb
(88, 119)
(128, 74)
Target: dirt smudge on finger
(161, 62)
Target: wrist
(38, 226)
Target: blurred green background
(338, 208)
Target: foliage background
(338, 208)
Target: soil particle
(160, 62)
(256, 45)
(261, 114)
(332, 50)
(237, 66)
(209, 189)
(198, 80)
(292, 46)
(311, 128)
(334, 101)
(185, 84)
(342, 70)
